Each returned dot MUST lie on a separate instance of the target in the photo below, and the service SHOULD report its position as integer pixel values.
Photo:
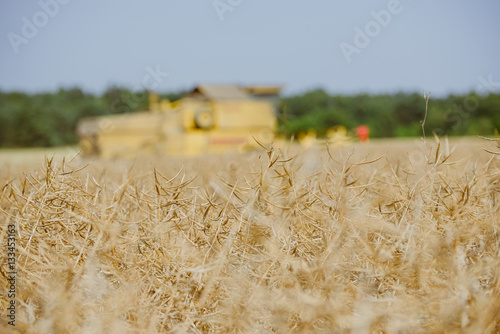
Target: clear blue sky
(441, 46)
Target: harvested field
(388, 237)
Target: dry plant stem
(427, 96)
(331, 240)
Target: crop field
(386, 237)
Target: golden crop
(271, 241)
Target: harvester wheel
(204, 119)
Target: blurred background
(339, 62)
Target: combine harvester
(210, 119)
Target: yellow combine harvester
(210, 119)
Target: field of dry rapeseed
(270, 241)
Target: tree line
(396, 115)
(49, 119)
